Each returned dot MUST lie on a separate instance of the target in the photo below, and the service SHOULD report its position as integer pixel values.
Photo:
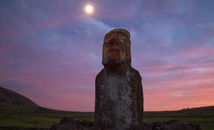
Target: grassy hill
(11, 101)
(10, 97)
(17, 110)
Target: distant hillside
(10, 97)
(12, 101)
(207, 108)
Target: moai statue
(119, 92)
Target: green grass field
(44, 118)
(204, 118)
(36, 117)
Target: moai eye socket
(113, 45)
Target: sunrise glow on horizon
(51, 51)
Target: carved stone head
(116, 47)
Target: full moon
(89, 9)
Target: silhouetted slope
(11, 101)
(207, 108)
(13, 98)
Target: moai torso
(119, 96)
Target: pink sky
(51, 51)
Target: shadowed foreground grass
(204, 118)
(45, 118)
(40, 120)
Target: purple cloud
(53, 50)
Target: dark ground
(45, 118)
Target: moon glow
(89, 9)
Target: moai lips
(119, 96)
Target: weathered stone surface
(116, 47)
(66, 120)
(119, 96)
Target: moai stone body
(119, 92)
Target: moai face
(116, 48)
